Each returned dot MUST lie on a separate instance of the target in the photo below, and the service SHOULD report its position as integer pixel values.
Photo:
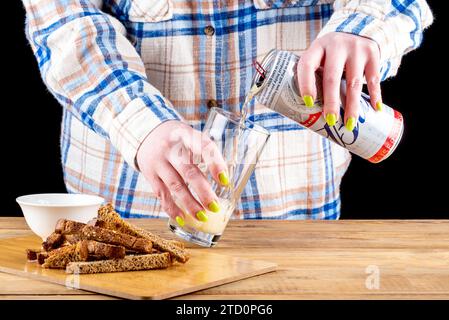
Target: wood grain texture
(316, 259)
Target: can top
(263, 68)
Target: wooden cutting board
(205, 269)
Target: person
(136, 78)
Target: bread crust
(53, 241)
(71, 238)
(103, 250)
(41, 256)
(110, 219)
(32, 254)
(64, 226)
(129, 263)
(116, 238)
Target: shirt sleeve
(396, 25)
(94, 71)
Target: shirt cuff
(138, 119)
(367, 26)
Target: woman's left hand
(336, 53)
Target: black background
(411, 184)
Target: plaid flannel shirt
(121, 67)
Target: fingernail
(331, 119)
(350, 124)
(180, 221)
(379, 105)
(214, 206)
(223, 177)
(201, 215)
(308, 100)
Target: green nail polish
(213, 206)
(180, 221)
(331, 119)
(308, 100)
(201, 215)
(223, 177)
(350, 124)
(379, 105)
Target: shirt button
(209, 30)
(212, 103)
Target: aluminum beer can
(376, 134)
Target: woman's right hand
(169, 157)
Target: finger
(203, 147)
(372, 75)
(332, 74)
(167, 202)
(307, 66)
(354, 83)
(175, 184)
(193, 176)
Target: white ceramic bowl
(42, 211)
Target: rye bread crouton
(129, 263)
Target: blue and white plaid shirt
(121, 67)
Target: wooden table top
(346, 259)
